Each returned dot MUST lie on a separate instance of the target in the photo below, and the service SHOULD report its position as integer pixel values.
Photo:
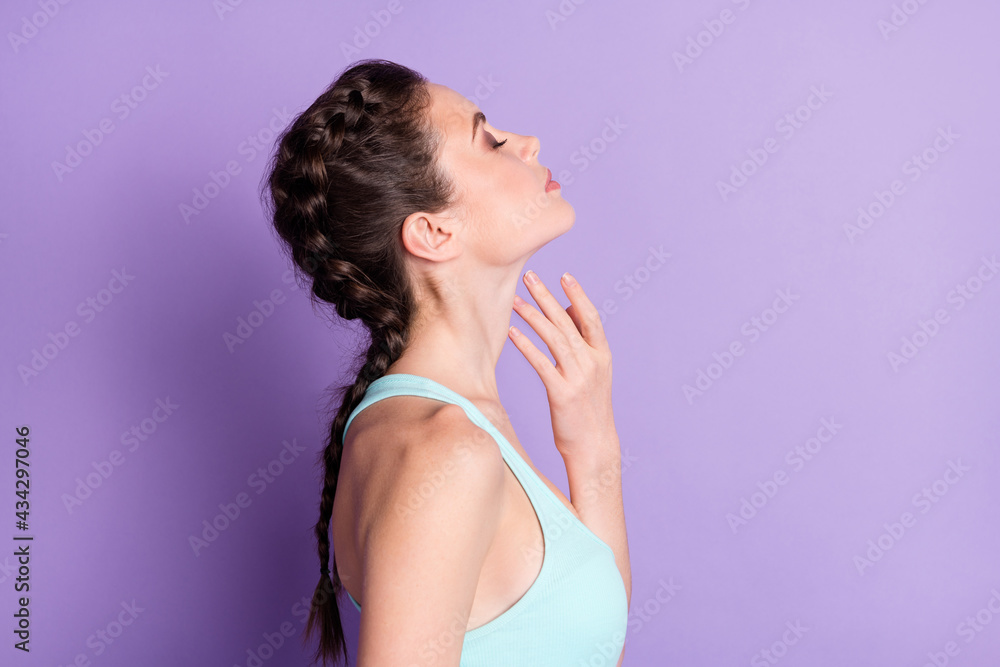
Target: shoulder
(415, 447)
(447, 450)
(447, 434)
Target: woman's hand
(579, 384)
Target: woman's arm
(579, 392)
(422, 566)
(595, 489)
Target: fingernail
(569, 279)
(518, 301)
(514, 332)
(530, 278)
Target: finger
(571, 311)
(547, 302)
(535, 357)
(558, 342)
(585, 315)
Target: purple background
(691, 460)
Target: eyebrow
(477, 120)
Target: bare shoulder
(415, 435)
(449, 436)
(441, 452)
(427, 536)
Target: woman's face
(507, 215)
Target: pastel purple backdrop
(719, 156)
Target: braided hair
(345, 174)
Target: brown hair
(346, 173)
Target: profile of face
(503, 213)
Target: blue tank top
(576, 611)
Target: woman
(412, 213)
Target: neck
(461, 330)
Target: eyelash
(498, 144)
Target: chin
(570, 217)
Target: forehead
(451, 112)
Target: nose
(530, 148)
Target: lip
(550, 185)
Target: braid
(345, 174)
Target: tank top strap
(406, 384)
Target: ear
(432, 236)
